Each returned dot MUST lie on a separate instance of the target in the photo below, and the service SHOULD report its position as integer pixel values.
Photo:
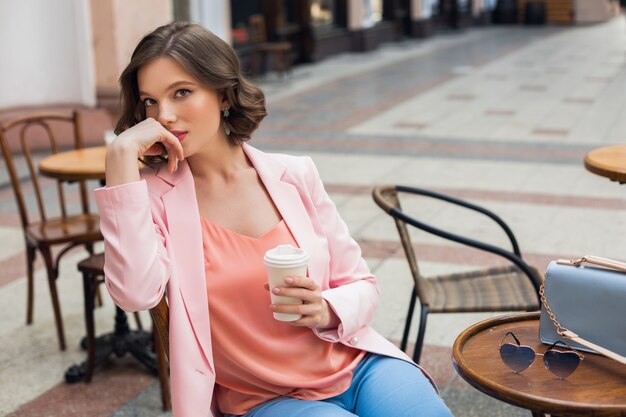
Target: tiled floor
(501, 116)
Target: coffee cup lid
(285, 255)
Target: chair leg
(138, 320)
(99, 296)
(278, 61)
(30, 274)
(89, 247)
(289, 61)
(420, 335)
(407, 323)
(264, 68)
(254, 63)
(89, 286)
(47, 257)
(163, 373)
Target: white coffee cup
(281, 262)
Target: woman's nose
(167, 114)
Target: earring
(225, 114)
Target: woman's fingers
(153, 150)
(307, 290)
(303, 294)
(304, 282)
(311, 313)
(151, 138)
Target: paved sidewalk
(501, 116)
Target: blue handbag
(583, 304)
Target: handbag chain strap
(595, 260)
(568, 334)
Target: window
(373, 13)
(322, 12)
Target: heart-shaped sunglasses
(519, 357)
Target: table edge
(603, 171)
(65, 176)
(513, 397)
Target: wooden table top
(608, 162)
(80, 164)
(597, 387)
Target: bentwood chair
(513, 287)
(161, 319)
(46, 231)
(261, 47)
(122, 341)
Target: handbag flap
(588, 301)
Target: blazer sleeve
(353, 293)
(136, 267)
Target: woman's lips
(179, 134)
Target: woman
(197, 226)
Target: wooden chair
(44, 232)
(514, 287)
(92, 269)
(161, 318)
(261, 48)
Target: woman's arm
(353, 294)
(136, 265)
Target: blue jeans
(381, 387)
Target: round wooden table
(80, 164)
(596, 388)
(608, 162)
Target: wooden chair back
(256, 29)
(386, 197)
(22, 130)
(161, 319)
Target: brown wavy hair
(208, 59)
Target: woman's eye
(148, 102)
(183, 92)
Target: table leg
(121, 341)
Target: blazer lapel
(185, 232)
(288, 202)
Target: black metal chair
(513, 287)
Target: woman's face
(191, 111)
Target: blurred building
(72, 51)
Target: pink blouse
(258, 358)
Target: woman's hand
(315, 311)
(138, 141)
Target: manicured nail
(276, 290)
(289, 280)
(273, 307)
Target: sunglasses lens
(561, 364)
(516, 357)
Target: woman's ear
(224, 103)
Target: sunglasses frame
(553, 347)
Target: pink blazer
(153, 243)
